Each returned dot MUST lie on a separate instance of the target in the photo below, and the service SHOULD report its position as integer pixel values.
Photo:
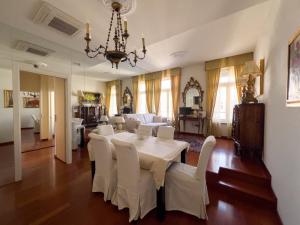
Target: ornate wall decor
(8, 98)
(91, 98)
(192, 94)
(31, 102)
(127, 99)
(293, 85)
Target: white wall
(6, 114)
(282, 125)
(26, 119)
(85, 84)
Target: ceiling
(201, 30)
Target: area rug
(196, 141)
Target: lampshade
(250, 67)
(103, 118)
(119, 119)
(80, 93)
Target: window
(142, 105)
(165, 105)
(113, 101)
(226, 96)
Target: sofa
(132, 121)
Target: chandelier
(118, 54)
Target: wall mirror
(193, 94)
(127, 101)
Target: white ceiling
(204, 30)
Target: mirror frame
(192, 83)
(125, 93)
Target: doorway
(43, 114)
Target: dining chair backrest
(205, 153)
(144, 130)
(106, 130)
(166, 132)
(128, 165)
(103, 155)
(34, 118)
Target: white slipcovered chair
(136, 188)
(36, 122)
(105, 179)
(185, 185)
(144, 130)
(76, 136)
(166, 132)
(105, 130)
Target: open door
(60, 119)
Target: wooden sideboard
(248, 130)
(199, 119)
(90, 115)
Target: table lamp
(119, 120)
(104, 119)
(249, 72)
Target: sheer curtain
(113, 101)
(226, 99)
(142, 106)
(166, 106)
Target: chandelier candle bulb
(88, 30)
(143, 41)
(125, 25)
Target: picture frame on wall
(293, 81)
(31, 102)
(8, 99)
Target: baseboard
(189, 133)
(26, 128)
(6, 143)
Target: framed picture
(31, 102)
(293, 85)
(8, 98)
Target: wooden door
(60, 119)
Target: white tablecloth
(155, 154)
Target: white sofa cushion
(148, 117)
(157, 119)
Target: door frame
(16, 67)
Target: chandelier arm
(136, 55)
(131, 64)
(97, 52)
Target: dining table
(156, 155)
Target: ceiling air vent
(54, 18)
(33, 48)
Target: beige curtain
(107, 97)
(44, 108)
(175, 76)
(149, 94)
(118, 84)
(157, 91)
(212, 83)
(135, 92)
(237, 73)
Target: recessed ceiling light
(178, 54)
